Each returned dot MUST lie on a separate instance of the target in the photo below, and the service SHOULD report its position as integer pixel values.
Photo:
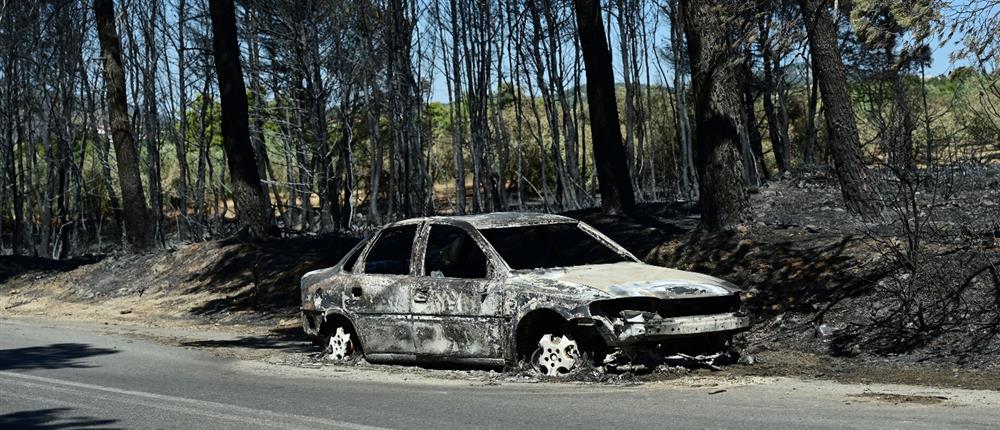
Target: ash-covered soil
(837, 296)
(831, 295)
(219, 281)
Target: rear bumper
(665, 328)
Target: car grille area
(630, 307)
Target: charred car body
(500, 288)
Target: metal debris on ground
(706, 361)
(824, 330)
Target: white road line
(199, 405)
(46, 400)
(157, 405)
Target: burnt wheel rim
(340, 347)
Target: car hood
(638, 279)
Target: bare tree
(617, 196)
(253, 209)
(138, 232)
(718, 127)
(856, 183)
(777, 131)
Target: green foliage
(879, 23)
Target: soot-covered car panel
(506, 287)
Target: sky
(941, 65)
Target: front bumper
(311, 321)
(638, 330)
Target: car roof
(496, 219)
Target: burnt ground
(831, 296)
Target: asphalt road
(57, 377)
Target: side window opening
(351, 259)
(452, 253)
(390, 255)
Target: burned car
(503, 288)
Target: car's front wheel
(556, 355)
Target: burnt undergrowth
(15, 265)
(263, 277)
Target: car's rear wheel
(340, 346)
(556, 355)
(339, 340)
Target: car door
(379, 296)
(455, 299)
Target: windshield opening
(549, 245)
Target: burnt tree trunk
(138, 232)
(901, 137)
(753, 147)
(779, 137)
(457, 136)
(180, 144)
(808, 151)
(842, 129)
(689, 179)
(722, 188)
(617, 196)
(252, 205)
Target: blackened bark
(753, 149)
(180, 144)
(902, 124)
(551, 110)
(722, 189)
(375, 175)
(407, 163)
(253, 212)
(689, 179)
(779, 139)
(151, 124)
(808, 152)
(624, 21)
(928, 138)
(779, 143)
(617, 195)
(264, 169)
(10, 172)
(458, 134)
(902, 128)
(347, 163)
(138, 234)
(842, 130)
(10, 167)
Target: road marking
(199, 405)
(46, 400)
(158, 405)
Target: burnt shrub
(941, 291)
